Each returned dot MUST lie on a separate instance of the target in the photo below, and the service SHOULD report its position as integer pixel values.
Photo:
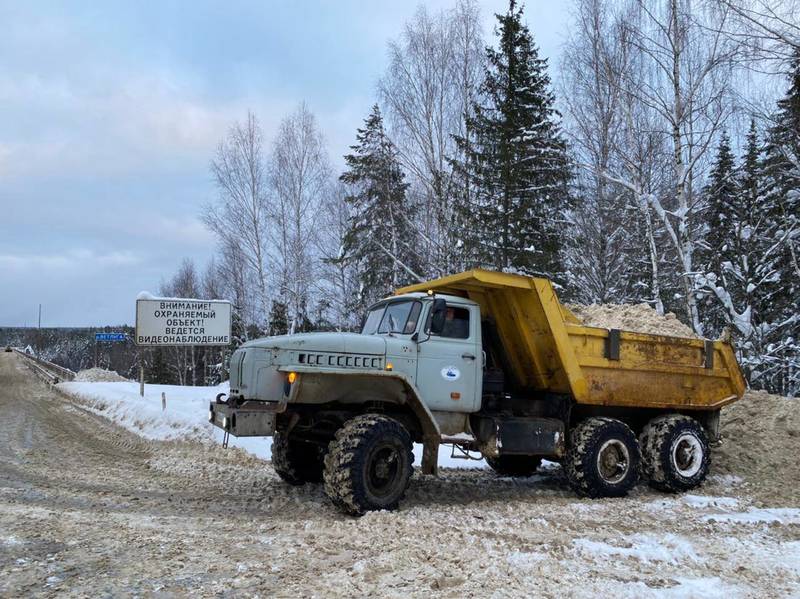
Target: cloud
(188, 231)
(139, 122)
(82, 260)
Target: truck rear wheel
(603, 458)
(369, 465)
(514, 465)
(295, 461)
(675, 453)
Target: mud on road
(87, 508)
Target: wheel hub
(613, 461)
(687, 455)
(382, 470)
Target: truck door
(449, 365)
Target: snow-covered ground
(167, 517)
(186, 416)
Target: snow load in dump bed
(547, 348)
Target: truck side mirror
(438, 316)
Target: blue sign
(110, 336)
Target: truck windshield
(392, 317)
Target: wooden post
(141, 373)
(163, 401)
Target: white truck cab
(444, 364)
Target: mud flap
(431, 435)
(430, 455)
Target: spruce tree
(278, 318)
(157, 368)
(749, 221)
(380, 239)
(721, 195)
(781, 205)
(718, 247)
(238, 330)
(515, 160)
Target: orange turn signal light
(389, 366)
(292, 377)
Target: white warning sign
(179, 321)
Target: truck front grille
(341, 360)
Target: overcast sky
(110, 113)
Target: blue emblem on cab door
(451, 373)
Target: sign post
(141, 373)
(180, 322)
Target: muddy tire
(603, 458)
(368, 465)
(675, 453)
(295, 461)
(514, 465)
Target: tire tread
(655, 444)
(345, 458)
(579, 459)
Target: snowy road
(89, 508)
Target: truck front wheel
(514, 465)
(368, 465)
(603, 458)
(295, 461)
(675, 453)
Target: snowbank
(186, 415)
(98, 375)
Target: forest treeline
(658, 162)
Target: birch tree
(688, 75)
(339, 286)
(300, 177)
(240, 216)
(769, 29)
(427, 93)
(594, 61)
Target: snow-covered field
(186, 416)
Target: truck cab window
(374, 317)
(456, 325)
(413, 318)
(392, 317)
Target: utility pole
(39, 334)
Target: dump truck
(494, 365)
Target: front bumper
(251, 419)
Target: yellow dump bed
(548, 348)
